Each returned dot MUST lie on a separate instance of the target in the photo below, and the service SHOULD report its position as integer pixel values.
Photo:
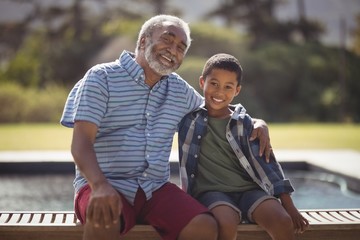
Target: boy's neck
(220, 114)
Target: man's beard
(155, 64)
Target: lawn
(283, 136)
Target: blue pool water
(54, 191)
(319, 190)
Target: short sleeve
(88, 99)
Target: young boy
(222, 169)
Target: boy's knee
(203, 226)
(227, 227)
(286, 221)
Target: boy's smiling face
(219, 88)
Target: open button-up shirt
(269, 176)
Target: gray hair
(157, 21)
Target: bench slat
(25, 218)
(339, 215)
(309, 217)
(356, 214)
(70, 218)
(4, 217)
(334, 217)
(324, 225)
(14, 218)
(58, 218)
(37, 218)
(47, 218)
(351, 215)
(318, 217)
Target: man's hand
(261, 132)
(104, 206)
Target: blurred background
(301, 58)
(301, 61)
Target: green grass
(34, 137)
(315, 136)
(283, 136)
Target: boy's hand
(261, 132)
(300, 223)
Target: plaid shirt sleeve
(191, 129)
(270, 175)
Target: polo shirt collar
(135, 71)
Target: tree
(261, 23)
(69, 36)
(356, 33)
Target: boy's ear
(201, 82)
(238, 89)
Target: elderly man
(124, 116)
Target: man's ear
(142, 42)
(201, 82)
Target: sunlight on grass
(34, 137)
(283, 136)
(315, 136)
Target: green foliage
(24, 68)
(45, 105)
(122, 26)
(356, 34)
(19, 104)
(191, 70)
(286, 82)
(12, 100)
(291, 81)
(282, 82)
(209, 39)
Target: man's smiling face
(165, 49)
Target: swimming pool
(321, 190)
(40, 192)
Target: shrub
(12, 102)
(19, 104)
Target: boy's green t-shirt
(218, 168)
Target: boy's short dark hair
(223, 61)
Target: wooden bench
(15, 225)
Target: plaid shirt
(269, 176)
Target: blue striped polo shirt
(136, 123)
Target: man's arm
(105, 204)
(261, 131)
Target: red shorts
(169, 210)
